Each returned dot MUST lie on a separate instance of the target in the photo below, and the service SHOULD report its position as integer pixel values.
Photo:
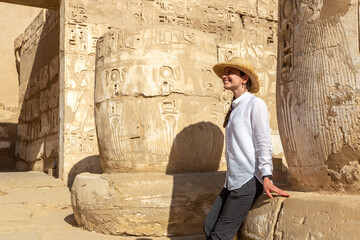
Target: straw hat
(242, 65)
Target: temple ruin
(124, 90)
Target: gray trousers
(230, 209)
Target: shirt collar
(238, 100)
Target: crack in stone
(277, 219)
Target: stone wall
(13, 20)
(38, 126)
(84, 22)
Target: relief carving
(170, 123)
(53, 67)
(78, 14)
(167, 88)
(55, 119)
(79, 39)
(28, 105)
(35, 108)
(287, 57)
(54, 95)
(169, 105)
(227, 51)
(317, 95)
(80, 143)
(168, 75)
(44, 77)
(154, 78)
(38, 50)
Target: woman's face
(232, 79)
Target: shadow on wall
(37, 61)
(7, 146)
(197, 148)
(89, 164)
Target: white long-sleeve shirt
(248, 141)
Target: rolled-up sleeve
(262, 137)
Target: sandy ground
(35, 206)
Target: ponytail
(228, 114)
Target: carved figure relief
(79, 102)
(116, 129)
(287, 56)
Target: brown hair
(248, 85)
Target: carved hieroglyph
(318, 92)
(151, 83)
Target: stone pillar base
(304, 216)
(152, 204)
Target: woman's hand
(269, 187)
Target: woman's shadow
(195, 156)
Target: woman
(248, 151)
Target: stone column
(158, 111)
(318, 92)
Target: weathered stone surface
(37, 52)
(84, 22)
(261, 221)
(318, 93)
(152, 102)
(304, 216)
(13, 20)
(145, 204)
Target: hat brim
(219, 71)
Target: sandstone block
(145, 204)
(304, 216)
(261, 221)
